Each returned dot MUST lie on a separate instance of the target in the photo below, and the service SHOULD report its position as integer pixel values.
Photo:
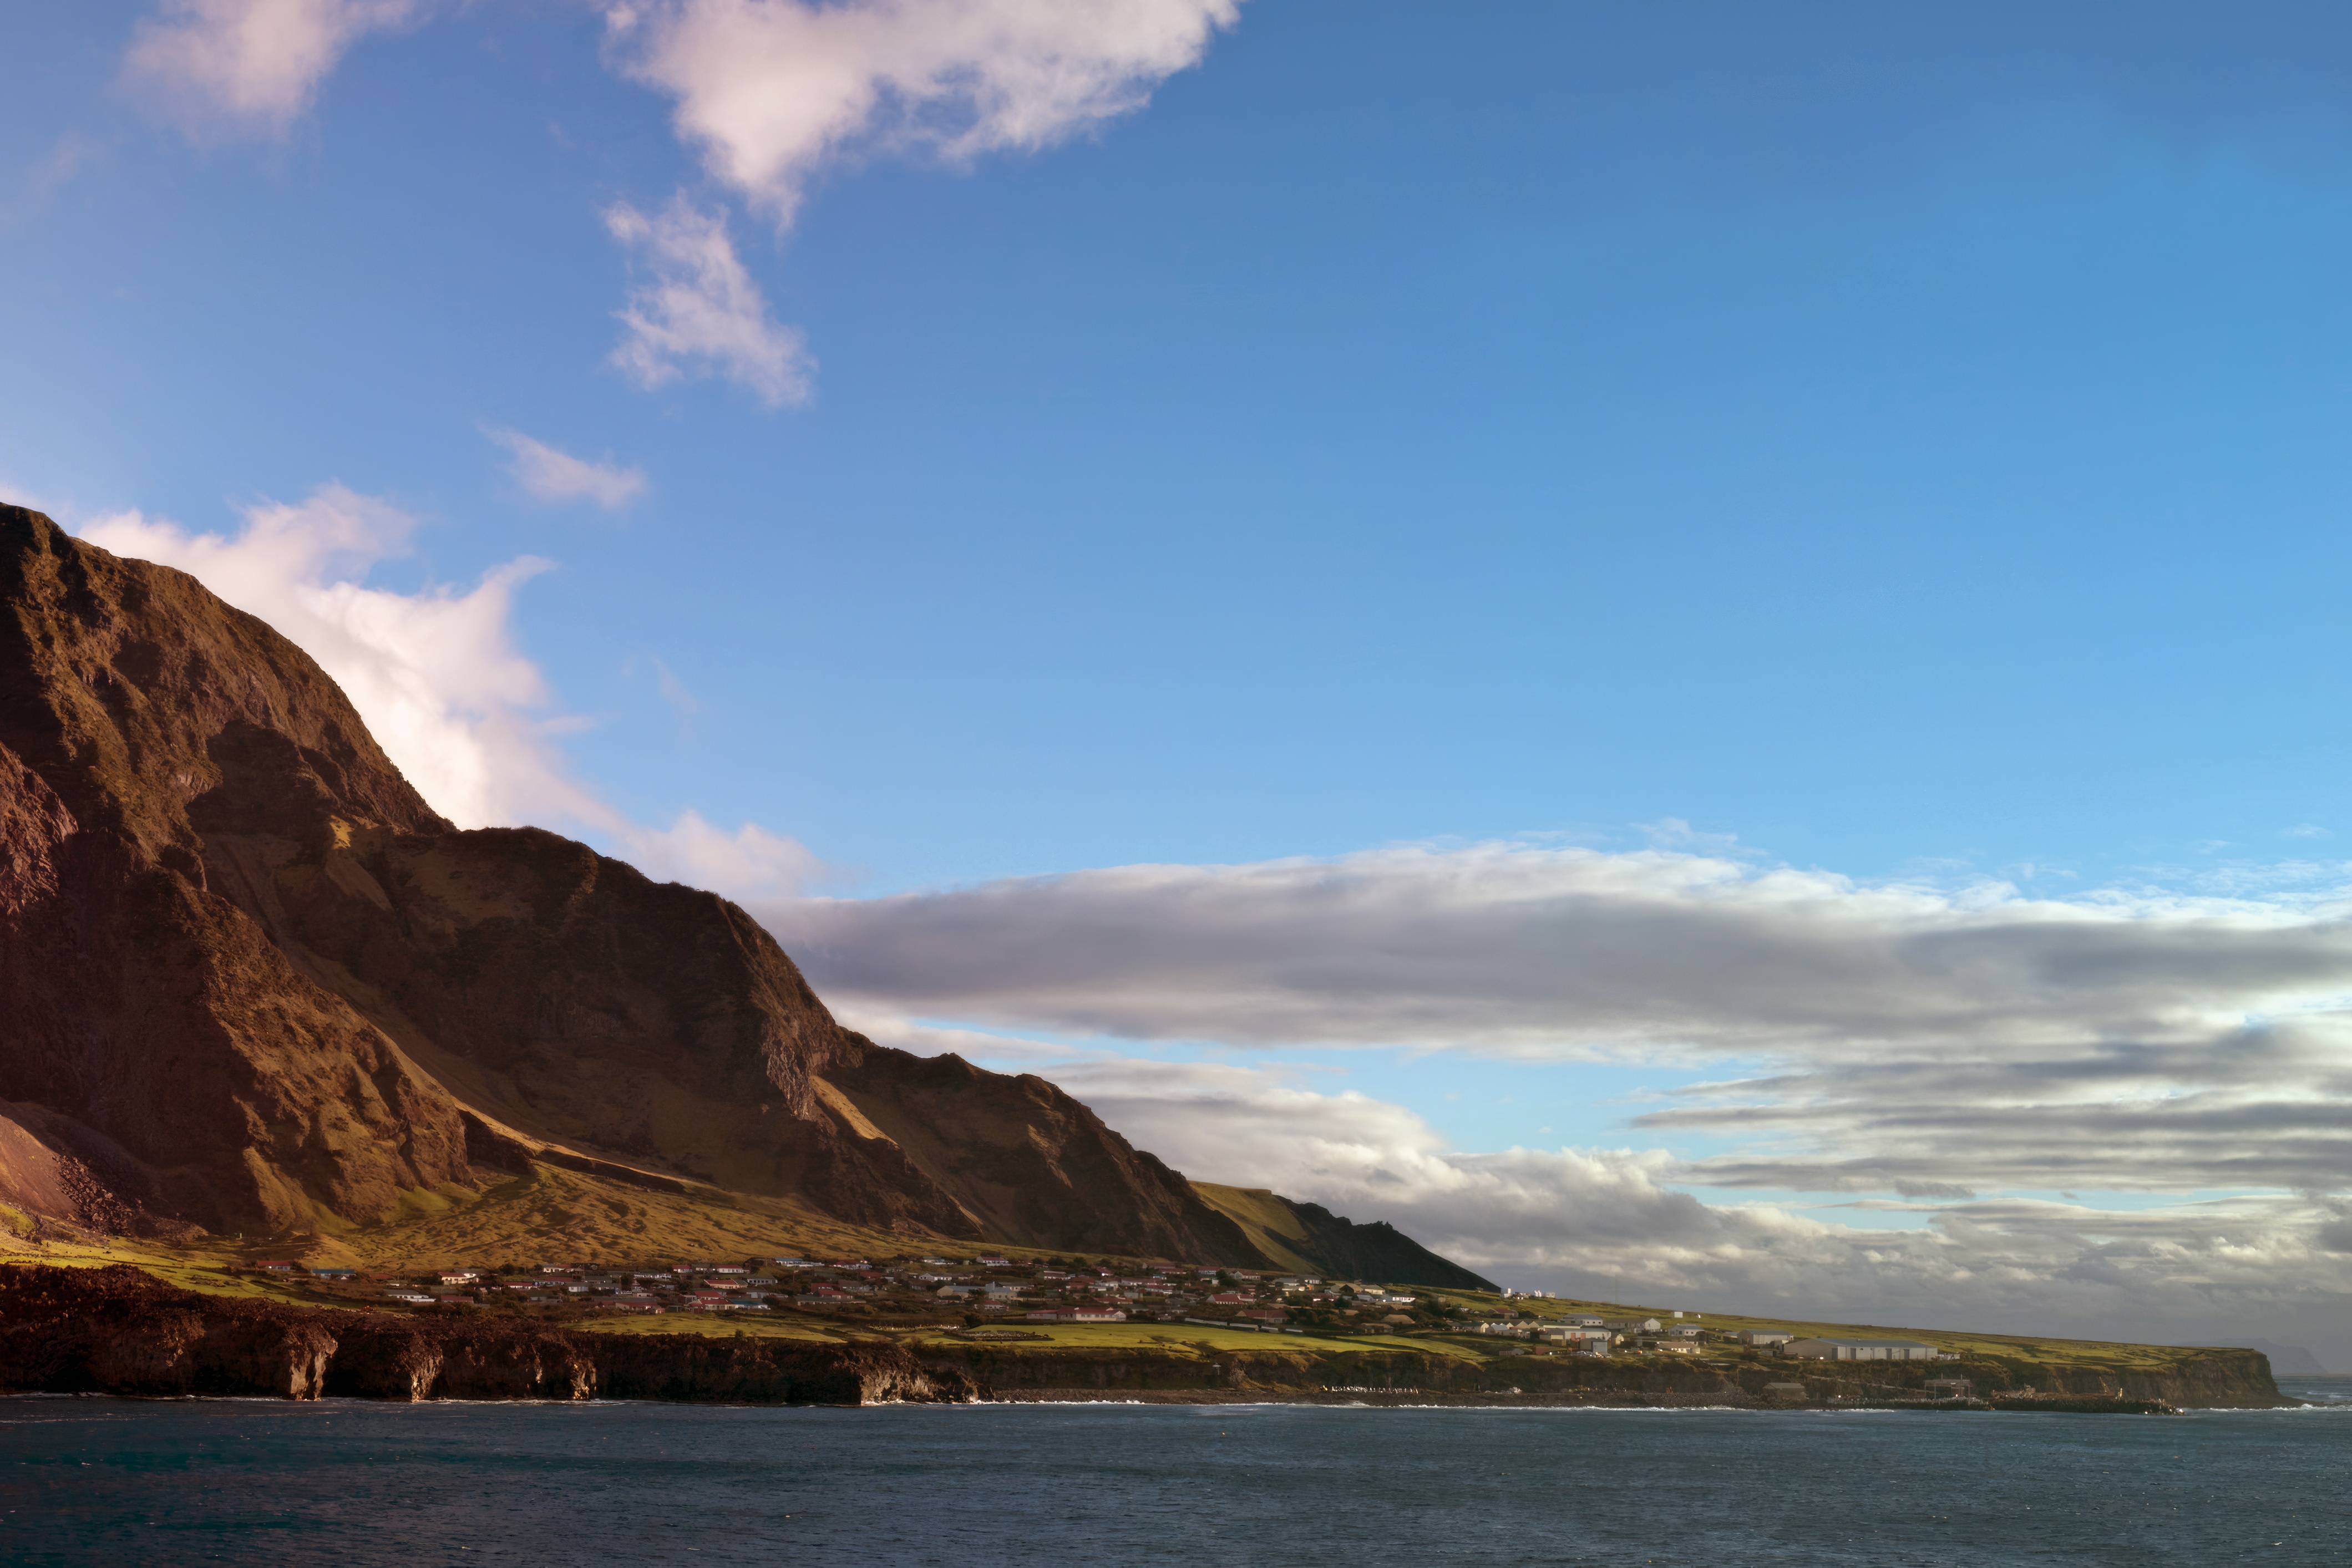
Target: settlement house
(1763, 1337)
(1859, 1349)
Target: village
(985, 1296)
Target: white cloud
(770, 88)
(750, 863)
(546, 474)
(251, 65)
(437, 678)
(434, 672)
(695, 311)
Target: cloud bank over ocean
(1939, 1064)
(1916, 1038)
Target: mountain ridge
(252, 981)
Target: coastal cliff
(120, 1331)
(1391, 1374)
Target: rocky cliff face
(118, 1331)
(250, 980)
(164, 1057)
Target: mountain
(1308, 1238)
(251, 982)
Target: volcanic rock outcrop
(250, 981)
(120, 1331)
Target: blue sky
(1898, 447)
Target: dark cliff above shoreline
(118, 1329)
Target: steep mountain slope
(250, 981)
(1311, 1239)
(176, 1064)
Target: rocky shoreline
(120, 1331)
(1588, 1400)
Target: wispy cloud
(695, 311)
(675, 692)
(1551, 952)
(771, 89)
(439, 678)
(1912, 1037)
(67, 158)
(546, 474)
(251, 65)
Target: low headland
(95, 1316)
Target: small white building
(1631, 1325)
(1764, 1336)
(1858, 1349)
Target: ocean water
(87, 1480)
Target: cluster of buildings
(1590, 1334)
(984, 1286)
(1073, 1293)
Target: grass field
(1164, 1336)
(718, 1326)
(551, 1214)
(1264, 1219)
(2118, 1354)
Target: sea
(149, 1483)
